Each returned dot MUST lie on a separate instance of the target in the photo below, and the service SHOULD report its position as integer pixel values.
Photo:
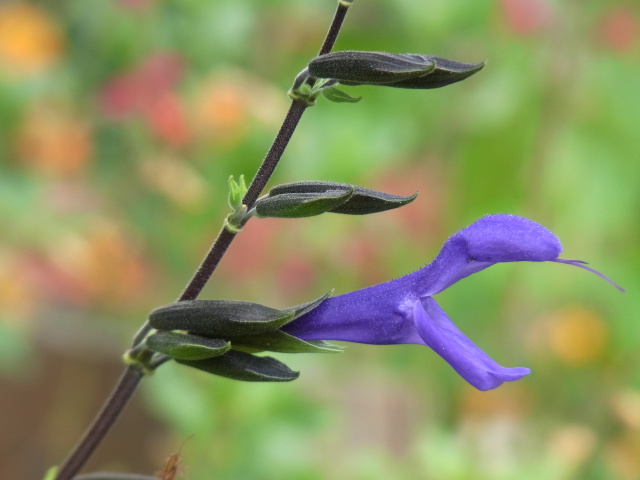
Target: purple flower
(404, 310)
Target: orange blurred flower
(30, 40)
(226, 102)
(221, 112)
(105, 264)
(54, 141)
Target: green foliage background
(113, 181)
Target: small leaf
(282, 342)
(246, 367)
(51, 473)
(237, 191)
(369, 68)
(114, 476)
(299, 205)
(218, 318)
(363, 201)
(187, 347)
(338, 96)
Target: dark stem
(102, 423)
(129, 381)
(334, 29)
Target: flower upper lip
(403, 311)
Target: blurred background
(120, 121)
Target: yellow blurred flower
(16, 298)
(573, 445)
(577, 335)
(29, 39)
(175, 178)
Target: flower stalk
(128, 382)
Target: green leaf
(299, 205)
(187, 347)
(245, 367)
(282, 342)
(336, 95)
(219, 318)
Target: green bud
(404, 70)
(187, 347)
(237, 191)
(246, 367)
(282, 342)
(298, 205)
(369, 68)
(362, 201)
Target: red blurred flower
(526, 17)
(620, 30)
(148, 90)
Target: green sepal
(219, 318)
(303, 308)
(445, 73)
(187, 347)
(363, 201)
(282, 342)
(114, 476)
(245, 367)
(336, 95)
(299, 205)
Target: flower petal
(378, 315)
(490, 240)
(475, 366)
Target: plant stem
(102, 423)
(132, 375)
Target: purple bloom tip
(508, 238)
(581, 264)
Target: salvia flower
(403, 311)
